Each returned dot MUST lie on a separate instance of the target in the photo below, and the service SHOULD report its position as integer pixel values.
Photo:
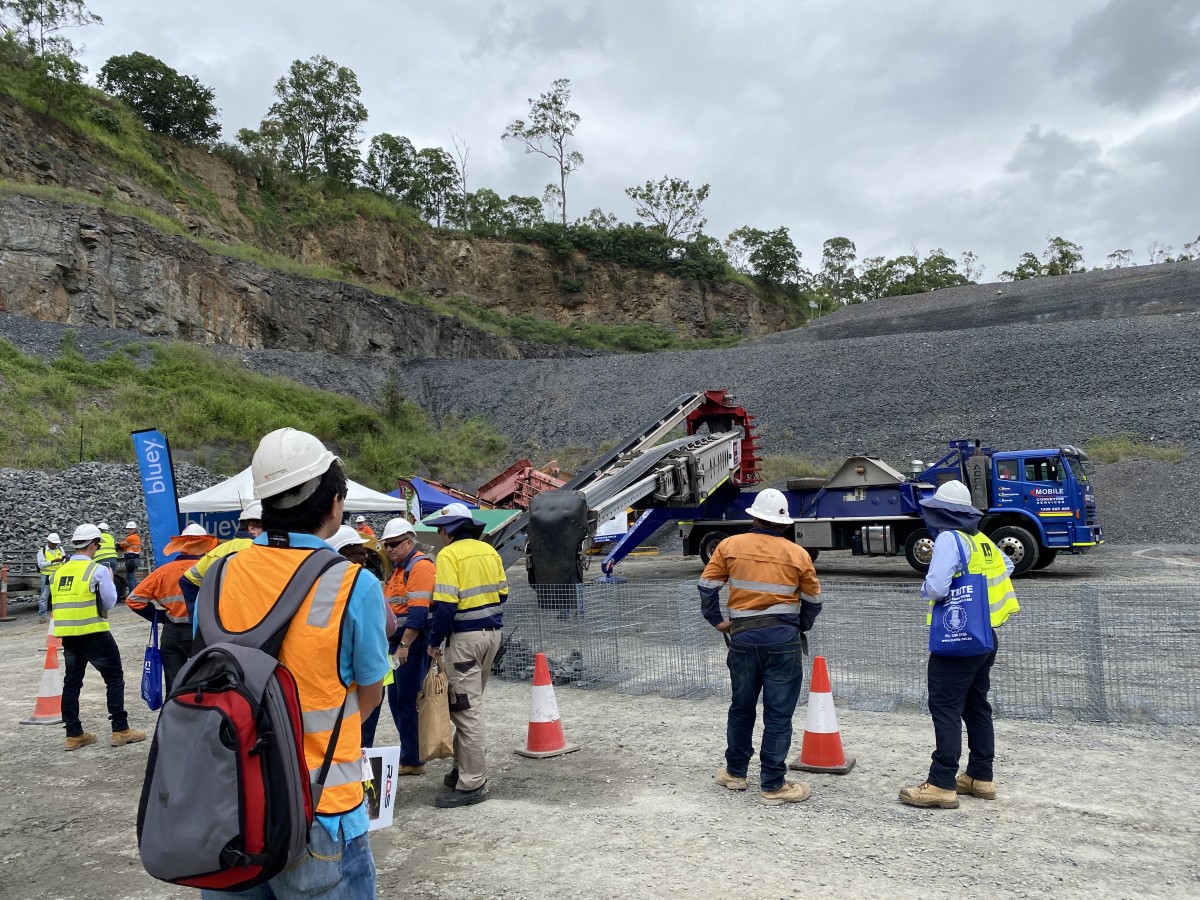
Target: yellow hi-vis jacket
(988, 560)
(196, 573)
(76, 607)
(469, 578)
(108, 547)
(51, 559)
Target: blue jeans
(334, 869)
(44, 597)
(777, 672)
(402, 700)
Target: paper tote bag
(152, 670)
(433, 716)
(961, 625)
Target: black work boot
(452, 798)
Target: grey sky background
(896, 123)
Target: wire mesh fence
(1114, 653)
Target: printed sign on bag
(380, 769)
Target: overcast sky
(957, 124)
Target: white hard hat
(103, 526)
(345, 537)
(285, 460)
(53, 538)
(397, 528)
(452, 514)
(951, 495)
(361, 519)
(194, 529)
(84, 535)
(131, 526)
(252, 511)
(770, 506)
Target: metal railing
(1128, 652)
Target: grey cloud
(1132, 52)
(553, 30)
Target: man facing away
(773, 592)
(335, 648)
(467, 613)
(82, 594)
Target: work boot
(127, 736)
(927, 795)
(984, 790)
(788, 792)
(451, 779)
(454, 797)
(416, 770)
(733, 782)
(42, 620)
(80, 740)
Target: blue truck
(1036, 504)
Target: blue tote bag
(152, 670)
(961, 624)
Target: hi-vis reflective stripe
(997, 605)
(478, 612)
(785, 590)
(1055, 514)
(710, 583)
(74, 604)
(774, 610)
(319, 720)
(420, 595)
(339, 773)
(76, 623)
(326, 594)
(822, 717)
(997, 579)
(1084, 544)
(449, 590)
(476, 591)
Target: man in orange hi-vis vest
(773, 600)
(335, 648)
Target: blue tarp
(430, 498)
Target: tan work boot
(790, 792)
(927, 795)
(984, 790)
(411, 770)
(730, 781)
(80, 740)
(128, 736)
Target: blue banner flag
(158, 485)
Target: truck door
(1048, 496)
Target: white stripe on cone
(822, 717)
(542, 705)
(51, 684)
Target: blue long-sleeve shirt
(945, 563)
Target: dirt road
(1084, 811)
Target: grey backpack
(226, 803)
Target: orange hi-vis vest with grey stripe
(252, 581)
(768, 575)
(411, 584)
(161, 588)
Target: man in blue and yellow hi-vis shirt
(468, 596)
(82, 593)
(958, 685)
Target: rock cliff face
(105, 269)
(78, 265)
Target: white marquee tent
(236, 492)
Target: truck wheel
(1019, 545)
(708, 544)
(1045, 556)
(918, 549)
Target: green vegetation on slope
(215, 411)
(1128, 446)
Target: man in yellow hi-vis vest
(958, 685)
(82, 593)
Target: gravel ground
(1082, 812)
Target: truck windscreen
(1078, 468)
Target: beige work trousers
(469, 656)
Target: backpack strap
(268, 634)
(413, 560)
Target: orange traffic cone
(545, 728)
(822, 747)
(48, 708)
